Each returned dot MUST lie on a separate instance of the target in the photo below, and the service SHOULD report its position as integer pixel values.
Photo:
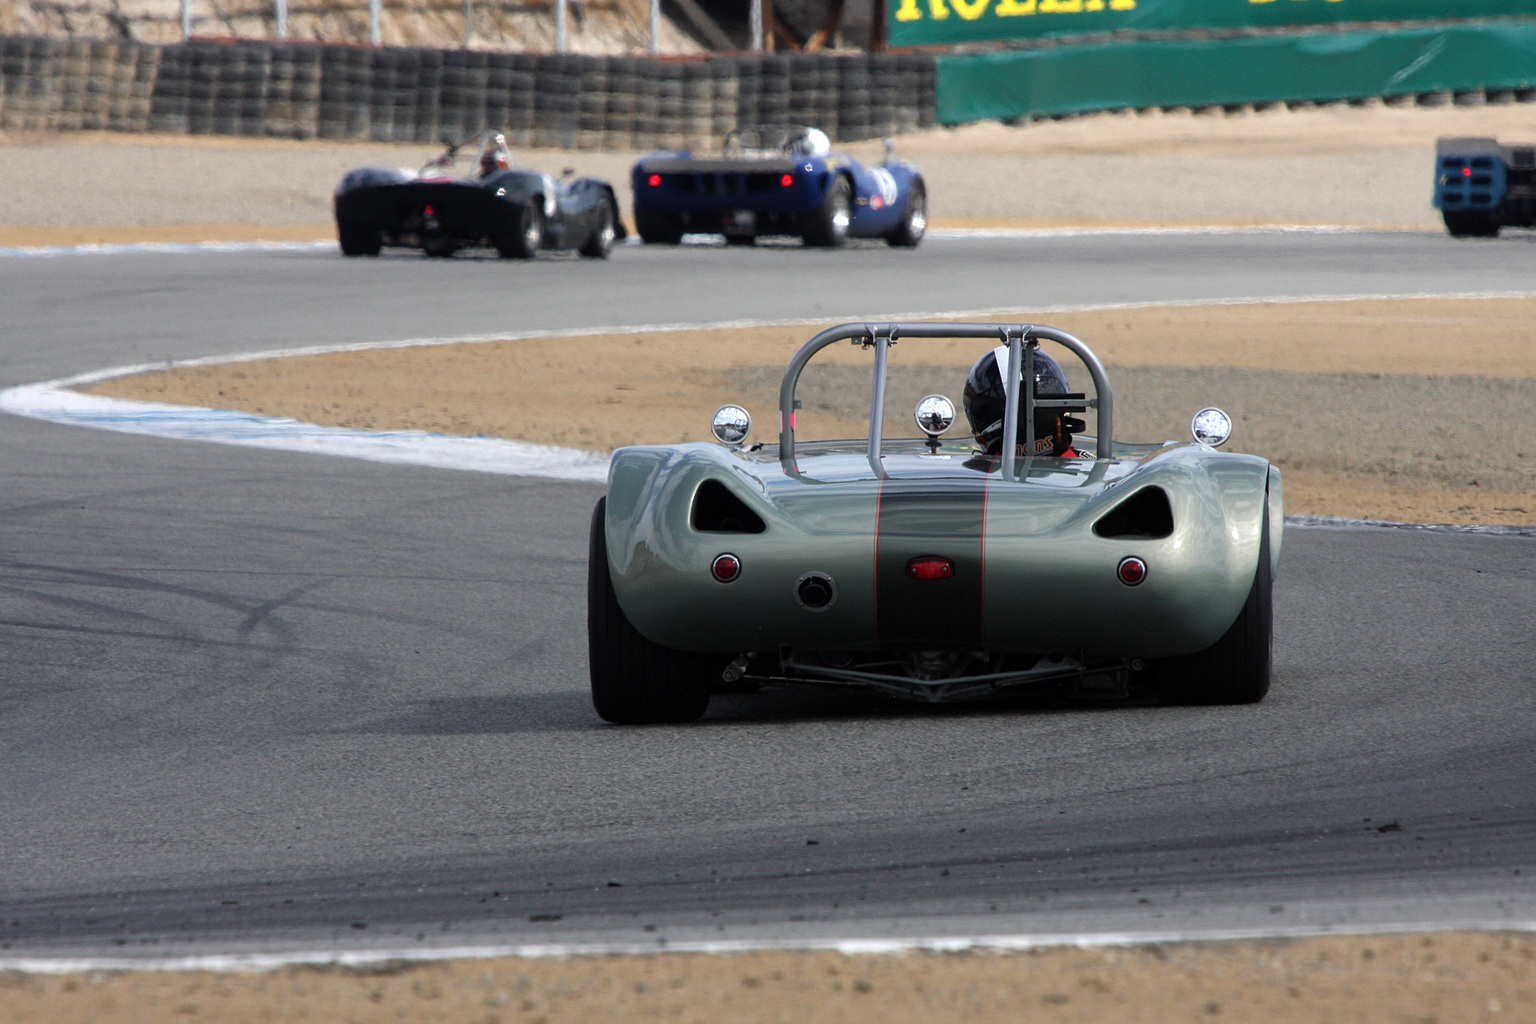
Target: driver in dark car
(494, 155)
(986, 398)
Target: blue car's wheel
(828, 227)
(1477, 224)
(634, 682)
(914, 221)
(657, 228)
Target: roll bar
(1022, 341)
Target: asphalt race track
(258, 701)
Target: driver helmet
(986, 398)
(493, 155)
(813, 142)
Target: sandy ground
(1407, 450)
(1445, 979)
(1353, 435)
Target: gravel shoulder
(1167, 362)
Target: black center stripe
(927, 517)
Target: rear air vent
(1145, 514)
(717, 510)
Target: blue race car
(1481, 186)
(778, 180)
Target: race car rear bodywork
(515, 212)
(933, 571)
(1481, 186)
(822, 198)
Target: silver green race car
(933, 570)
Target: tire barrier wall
(420, 95)
(1467, 62)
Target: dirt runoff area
(1353, 435)
(1414, 979)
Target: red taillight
(653, 180)
(787, 180)
(430, 210)
(726, 567)
(930, 567)
(1466, 172)
(1131, 571)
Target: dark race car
(778, 180)
(516, 212)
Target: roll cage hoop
(1022, 341)
(778, 139)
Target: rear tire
(526, 243)
(1471, 225)
(828, 227)
(914, 223)
(1235, 669)
(635, 682)
(600, 244)
(658, 228)
(357, 241)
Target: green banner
(925, 22)
(1315, 66)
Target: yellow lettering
(937, 9)
(1061, 6)
(908, 11)
(1093, 5)
(1012, 8)
(1122, 5)
(970, 10)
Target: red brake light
(430, 210)
(1131, 571)
(726, 567)
(787, 180)
(930, 567)
(653, 180)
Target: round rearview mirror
(935, 414)
(1211, 427)
(731, 424)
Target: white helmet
(815, 143)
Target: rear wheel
(635, 682)
(1235, 669)
(828, 227)
(914, 223)
(600, 244)
(357, 241)
(1471, 225)
(658, 228)
(525, 244)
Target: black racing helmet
(986, 398)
